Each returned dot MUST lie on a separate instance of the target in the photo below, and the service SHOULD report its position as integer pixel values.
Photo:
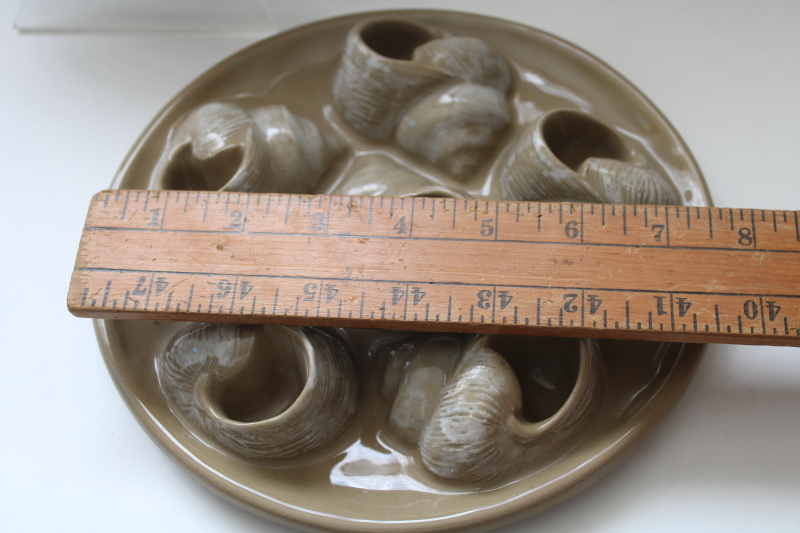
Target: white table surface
(72, 458)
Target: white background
(72, 458)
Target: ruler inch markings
(796, 226)
(246, 213)
(328, 216)
(624, 220)
(233, 293)
(454, 284)
(726, 248)
(149, 291)
(164, 212)
(411, 222)
(666, 224)
(105, 293)
(539, 217)
(712, 270)
(710, 225)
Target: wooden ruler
(678, 273)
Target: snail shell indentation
(443, 97)
(379, 175)
(424, 376)
(265, 392)
(568, 155)
(465, 409)
(467, 59)
(477, 433)
(377, 81)
(455, 128)
(621, 183)
(220, 146)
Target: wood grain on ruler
(650, 272)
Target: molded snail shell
(546, 162)
(414, 382)
(265, 392)
(467, 415)
(445, 96)
(455, 128)
(378, 175)
(468, 59)
(377, 81)
(220, 146)
(621, 183)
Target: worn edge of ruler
(404, 323)
(444, 327)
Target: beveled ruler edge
(99, 301)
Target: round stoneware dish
(356, 430)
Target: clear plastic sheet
(229, 16)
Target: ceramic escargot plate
(374, 431)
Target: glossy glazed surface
(643, 380)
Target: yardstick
(671, 273)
